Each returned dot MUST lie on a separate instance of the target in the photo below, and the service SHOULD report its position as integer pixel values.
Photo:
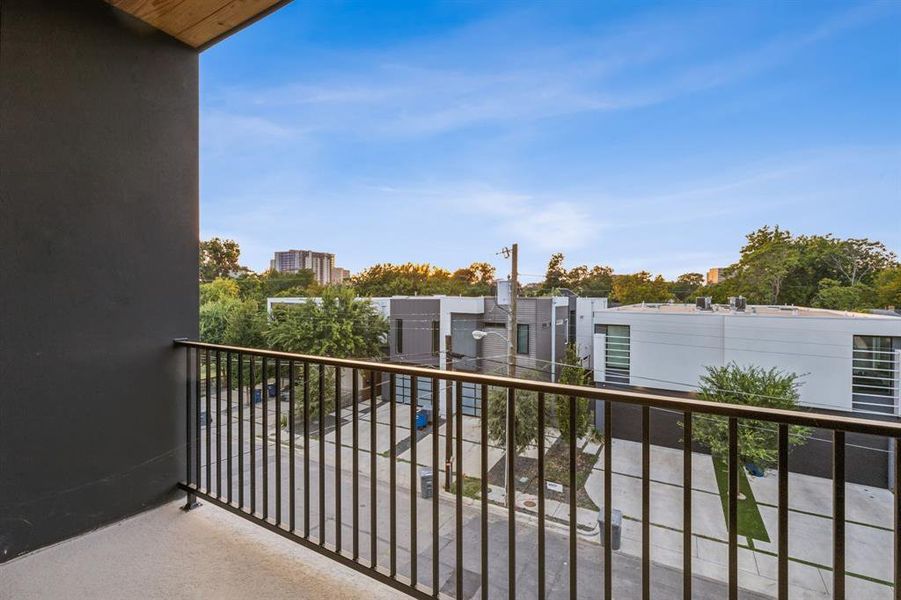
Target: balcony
(277, 502)
(103, 423)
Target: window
(399, 336)
(436, 337)
(874, 374)
(403, 390)
(617, 355)
(522, 339)
(471, 399)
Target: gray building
(421, 326)
(321, 263)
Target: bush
(749, 386)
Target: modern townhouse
(438, 331)
(847, 362)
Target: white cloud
(415, 90)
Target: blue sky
(634, 134)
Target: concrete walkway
(167, 554)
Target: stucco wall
(98, 233)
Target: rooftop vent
(738, 303)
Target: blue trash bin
(272, 390)
(422, 418)
(257, 396)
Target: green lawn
(750, 523)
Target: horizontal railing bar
(806, 419)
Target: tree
(833, 295)
(409, 279)
(245, 324)
(687, 285)
(750, 386)
(555, 275)
(220, 288)
(858, 259)
(477, 278)
(888, 287)
(214, 317)
(556, 409)
(640, 287)
(525, 415)
(338, 324)
(573, 373)
(596, 281)
(766, 260)
(219, 258)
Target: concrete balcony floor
(166, 553)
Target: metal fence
(249, 466)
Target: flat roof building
(846, 361)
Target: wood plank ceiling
(197, 22)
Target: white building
(847, 361)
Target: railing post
(191, 500)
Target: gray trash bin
(425, 483)
(616, 518)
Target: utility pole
(449, 413)
(512, 335)
(512, 343)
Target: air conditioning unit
(740, 304)
(704, 303)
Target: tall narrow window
(522, 339)
(617, 352)
(436, 337)
(874, 374)
(399, 336)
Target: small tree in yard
(525, 415)
(573, 373)
(556, 408)
(750, 386)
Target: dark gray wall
(98, 234)
(867, 457)
(417, 315)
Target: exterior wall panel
(99, 233)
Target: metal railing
(242, 467)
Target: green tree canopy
(640, 287)
(687, 285)
(751, 386)
(888, 287)
(477, 279)
(338, 324)
(219, 258)
(779, 268)
(409, 279)
(832, 294)
(596, 281)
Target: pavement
(666, 579)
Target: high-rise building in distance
(322, 264)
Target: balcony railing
(284, 459)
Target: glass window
(522, 339)
(399, 336)
(617, 352)
(873, 373)
(471, 400)
(403, 389)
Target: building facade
(715, 275)
(846, 361)
(322, 264)
(340, 275)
